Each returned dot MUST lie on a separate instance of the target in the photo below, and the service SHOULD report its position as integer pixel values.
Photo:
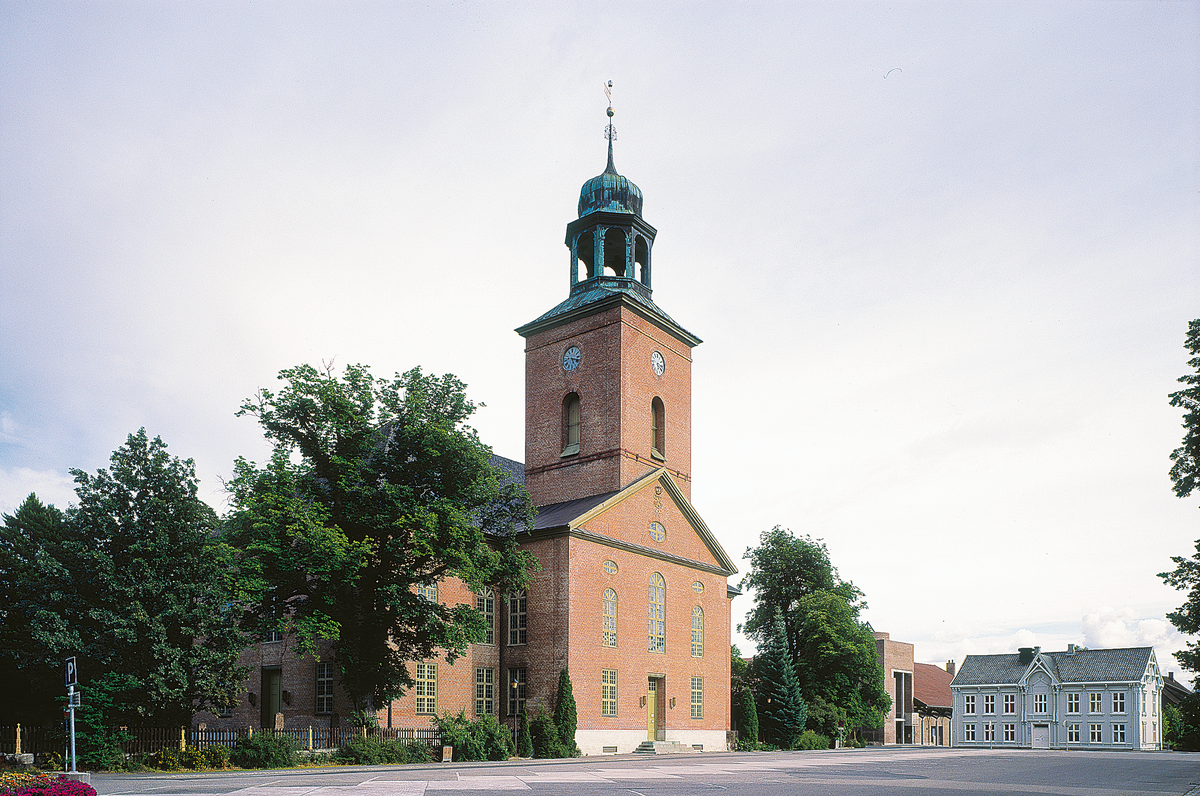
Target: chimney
(1026, 654)
(1070, 649)
(950, 667)
(1171, 676)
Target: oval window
(610, 567)
(698, 587)
(657, 531)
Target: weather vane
(610, 132)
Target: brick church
(632, 596)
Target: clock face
(658, 363)
(571, 358)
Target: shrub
(418, 752)
(811, 740)
(363, 751)
(544, 735)
(264, 750)
(482, 739)
(214, 757)
(43, 785)
(165, 759)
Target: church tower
(608, 374)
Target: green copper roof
(593, 295)
(610, 191)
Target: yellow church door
(652, 710)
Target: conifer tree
(749, 716)
(524, 739)
(782, 711)
(565, 715)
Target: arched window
(615, 255)
(585, 255)
(609, 638)
(570, 424)
(641, 259)
(697, 632)
(485, 603)
(658, 429)
(657, 626)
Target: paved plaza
(850, 772)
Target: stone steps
(663, 748)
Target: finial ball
(610, 111)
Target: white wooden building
(1078, 699)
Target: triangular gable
(577, 524)
(1042, 664)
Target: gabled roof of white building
(1080, 666)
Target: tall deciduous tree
(832, 651)
(132, 582)
(374, 487)
(1185, 475)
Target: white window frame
(969, 704)
(608, 608)
(697, 697)
(1073, 702)
(485, 690)
(1118, 702)
(1118, 733)
(989, 704)
(1010, 733)
(1095, 732)
(1095, 702)
(1073, 732)
(1010, 704)
(969, 732)
(1039, 703)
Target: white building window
(697, 632)
(1118, 702)
(1073, 732)
(324, 688)
(518, 604)
(989, 731)
(1073, 703)
(485, 691)
(657, 606)
(1010, 703)
(697, 697)
(969, 708)
(989, 704)
(1095, 733)
(427, 591)
(485, 603)
(1039, 703)
(1118, 731)
(969, 732)
(1095, 703)
(1010, 732)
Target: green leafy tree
(1185, 475)
(151, 586)
(832, 650)
(745, 715)
(566, 717)
(35, 598)
(133, 583)
(374, 487)
(782, 712)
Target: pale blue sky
(942, 256)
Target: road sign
(75, 698)
(72, 672)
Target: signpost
(72, 703)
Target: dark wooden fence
(144, 740)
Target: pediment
(625, 520)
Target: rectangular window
(516, 691)
(1095, 703)
(989, 731)
(969, 732)
(1010, 732)
(1118, 731)
(697, 697)
(485, 603)
(517, 605)
(989, 704)
(324, 688)
(1118, 702)
(1039, 703)
(1096, 733)
(427, 591)
(1073, 732)
(272, 636)
(1072, 703)
(1010, 703)
(485, 691)
(608, 692)
(969, 704)
(427, 689)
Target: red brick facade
(633, 531)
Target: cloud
(1110, 627)
(49, 485)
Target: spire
(610, 132)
